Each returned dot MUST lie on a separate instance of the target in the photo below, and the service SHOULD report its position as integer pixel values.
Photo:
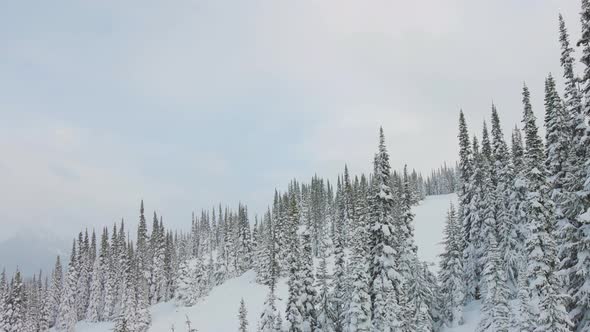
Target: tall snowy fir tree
(13, 318)
(294, 309)
(540, 245)
(385, 281)
(506, 226)
(67, 317)
(358, 316)
(452, 286)
(242, 317)
(578, 182)
(308, 291)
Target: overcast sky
(190, 103)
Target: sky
(189, 103)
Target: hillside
(218, 311)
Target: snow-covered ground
(471, 315)
(429, 224)
(218, 312)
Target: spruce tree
(506, 226)
(67, 317)
(15, 306)
(294, 309)
(452, 290)
(358, 317)
(540, 244)
(242, 317)
(384, 279)
(473, 252)
(578, 208)
(495, 310)
(54, 292)
(340, 277)
(3, 296)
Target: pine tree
(242, 317)
(522, 317)
(15, 306)
(426, 302)
(44, 314)
(84, 274)
(339, 275)
(358, 317)
(495, 310)
(157, 242)
(294, 310)
(384, 279)
(96, 307)
(267, 318)
(308, 291)
(452, 290)
(506, 226)
(473, 216)
(127, 316)
(578, 207)
(67, 317)
(540, 245)
(54, 292)
(407, 255)
(3, 296)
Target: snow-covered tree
(13, 318)
(242, 317)
(385, 281)
(540, 244)
(452, 285)
(67, 317)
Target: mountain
(31, 251)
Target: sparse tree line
(519, 240)
(444, 180)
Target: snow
(472, 315)
(218, 311)
(429, 223)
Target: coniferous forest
(517, 242)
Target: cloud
(192, 103)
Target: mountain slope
(218, 312)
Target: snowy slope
(429, 224)
(218, 312)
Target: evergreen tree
(577, 208)
(522, 317)
(385, 281)
(359, 307)
(495, 310)
(507, 232)
(54, 292)
(67, 317)
(540, 245)
(340, 278)
(3, 296)
(13, 318)
(242, 317)
(308, 292)
(294, 310)
(267, 318)
(452, 290)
